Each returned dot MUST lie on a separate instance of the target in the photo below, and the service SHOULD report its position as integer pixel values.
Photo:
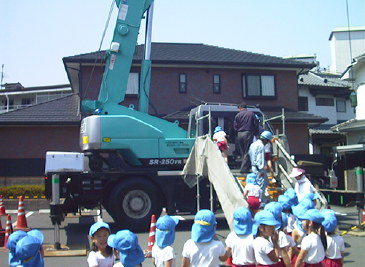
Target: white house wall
(328, 112)
(340, 49)
(356, 137)
(360, 84)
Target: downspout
(7, 102)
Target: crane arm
(120, 55)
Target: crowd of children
(283, 234)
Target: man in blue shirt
(257, 157)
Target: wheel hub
(136, 204)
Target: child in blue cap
(219, 136)
(11, 245)
(253, 193)
(265, 244)
(335, 243)
(287, 242)
(313, 245)
(101, 254)
(126, 243)
(239, 243)
(29, 250)
(202, 249)
(284, 240)
(163, 254)
(285, 202)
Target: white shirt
(219, 136)
(119, 264)
(95, 258)
(257, 154)
(291, 222)
(313, 245)
(262, 248)
(253, 190)
(267, 148)
(285, 241)
(335, 245)
(203, 254)
(242, 248)
(303, 187)
(163, 254)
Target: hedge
(22, 190)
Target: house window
(303, 103)
(341, 106)
(258, 85)
(182, 83)
(11, 102)
(321, 101)
(216, 84)
(133, 84)
(26, 101)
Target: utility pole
(2, 76)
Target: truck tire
(132, 203)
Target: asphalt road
(74, 230)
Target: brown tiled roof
(199, 54)
(61, 111)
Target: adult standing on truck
(246, 127)
(257, 156)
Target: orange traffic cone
(2, 207)
(7, 230)
(229, 261)
(21, 223)
(151, 239)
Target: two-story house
(355, 128)
(328, 96)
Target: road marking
(45, 211)
(180, 218)
(339, 213)
(26, 216)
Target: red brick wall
(34, 141)
(297, 135)
(165, 96)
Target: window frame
(183, 84)
(130, 93)
(244, 86)
(306, 104)
(218, 84)
(324, 104)
(344, 101)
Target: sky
(36, 35)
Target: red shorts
(253, 202)
(222, 145)
(332, 262)
(272, 265)
(251, 265)
(267, 156)
(313, 264)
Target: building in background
(15, 96)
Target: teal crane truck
(131, 162)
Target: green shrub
(22, 190)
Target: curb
(30, 204)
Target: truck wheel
(133, 202)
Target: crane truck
(131, 162)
